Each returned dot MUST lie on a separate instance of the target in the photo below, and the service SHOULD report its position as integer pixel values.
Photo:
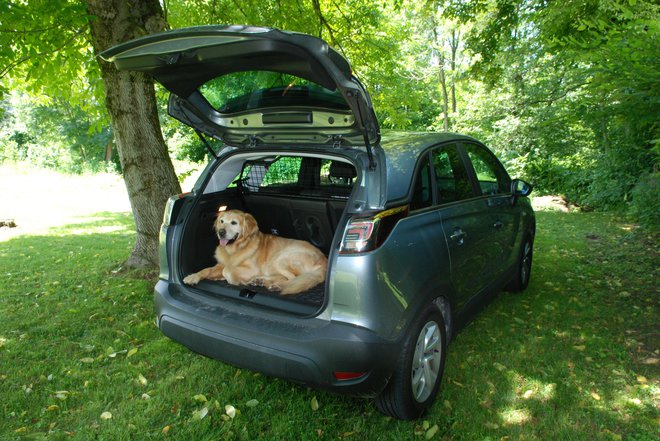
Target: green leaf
(200, 397)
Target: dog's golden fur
(247, 256)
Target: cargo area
(294, 197)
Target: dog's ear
(250, 226)
(216, 223)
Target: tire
(416, 380)
(524, 267)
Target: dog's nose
(222, 233)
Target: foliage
(44, 51)
(571, 358)
(570, 92)
(567, 94)
(55, 135)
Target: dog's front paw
(192, 279)
(273, 287)
(257, 281)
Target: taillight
(170, 212)
(345, 376)
(364, 234)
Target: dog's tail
(304, 281)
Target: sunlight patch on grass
(103, 229)
(515, 416)
(42, 199)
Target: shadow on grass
(570, 358)
(563, 359)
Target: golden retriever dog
(246, 256)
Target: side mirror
(519, 188)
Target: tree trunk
(453, 44)
(443, 81)
(131, 102)
(445, 97)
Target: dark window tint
(492, 177)
(422, 195)
(450, 176)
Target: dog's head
(234, 226)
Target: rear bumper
(304, 350)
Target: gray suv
(419, 229)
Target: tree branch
(22, 60)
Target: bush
(645, 205)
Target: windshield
(248, 90)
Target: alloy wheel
(426, 361)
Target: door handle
(497, 225)
(458, 236)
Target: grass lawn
(575, 357)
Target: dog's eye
(222, 221)
(234, 222)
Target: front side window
(492, 177)
(450, 175)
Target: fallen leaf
(642, 379)
(165, 430)
(200, 414)
(87, 360)
(252, 403)
(62, 394)
(431, 432)
(528, 393)
(132, 352)
(230, 411)
(595, 396)
(499, 367)
(146, 396)
(143, 381)
(106, 415)
(491, 426)
(52, 407)
(200, 397)
(579, 347)
(314, 404)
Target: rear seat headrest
(342, 170)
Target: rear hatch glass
(244, 91)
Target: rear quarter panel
(383, 289)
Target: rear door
(316, 98)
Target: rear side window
(422, 194)
(451, 178)
(492, 177)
